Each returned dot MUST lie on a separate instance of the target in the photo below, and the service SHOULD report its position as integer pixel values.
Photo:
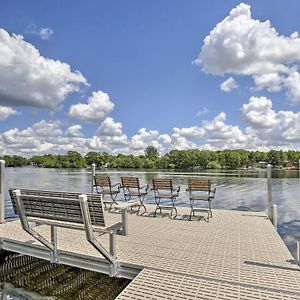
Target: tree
(151, 152)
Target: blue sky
(117, 76)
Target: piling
(274, 216)
(2, 192)
(269, 183)
(93, 175)
(298, 253)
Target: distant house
(288, 164)
(262, 164)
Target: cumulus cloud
(258, 113)
(242, 45)
(228, 85)
(270, 127)
(95, 110)
(110, 128)
(6, 112)
(266, 129)
(29, 79)
(74, 131)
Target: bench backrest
(58, 205)
(199, 185)
(102, 181)
(162, 184)
(130, 182)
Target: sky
(117, 76)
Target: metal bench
(68, 210)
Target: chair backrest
(102, 181)
(60, 206)
(162, 184)
(130, 182)
(199, 185)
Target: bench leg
(55, 256)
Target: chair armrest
(177, 190)
(117, 185)
(146, 187)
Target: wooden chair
(103, 186)
(132, 189)
(68, 210)
(200, 190)
(163, 189)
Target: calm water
(236, 190)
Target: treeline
(175, 159)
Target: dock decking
(237, 255)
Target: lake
(236, 189)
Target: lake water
(236, 190)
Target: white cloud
(242, 45)
(272, 128)
(45, 33)
(74, 131)
(95, 110)
(258, 113)
(267, 129)
(110, 128)
(29, 79)
(50, 128)
(6, 112)
(222, 135)
(193, 132)
(228, 85)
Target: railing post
(2, 192)
(124, 221)
(274, 216)
(93, 175)
(298, 253)
(269, 183)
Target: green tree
(151, 152)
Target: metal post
(269, 183)
(299, 167)
(93, 175)
(274, 215)
(2, 192)
(298, 253)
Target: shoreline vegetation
(175, 159)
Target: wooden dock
(237, 255)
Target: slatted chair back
(199, 185)
(130, 182)
(58, 205)
(162, 184)
(102, 181)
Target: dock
(236, 255)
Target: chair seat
(108, 192)
(136, 194)
(201, 197)
(166, 195)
